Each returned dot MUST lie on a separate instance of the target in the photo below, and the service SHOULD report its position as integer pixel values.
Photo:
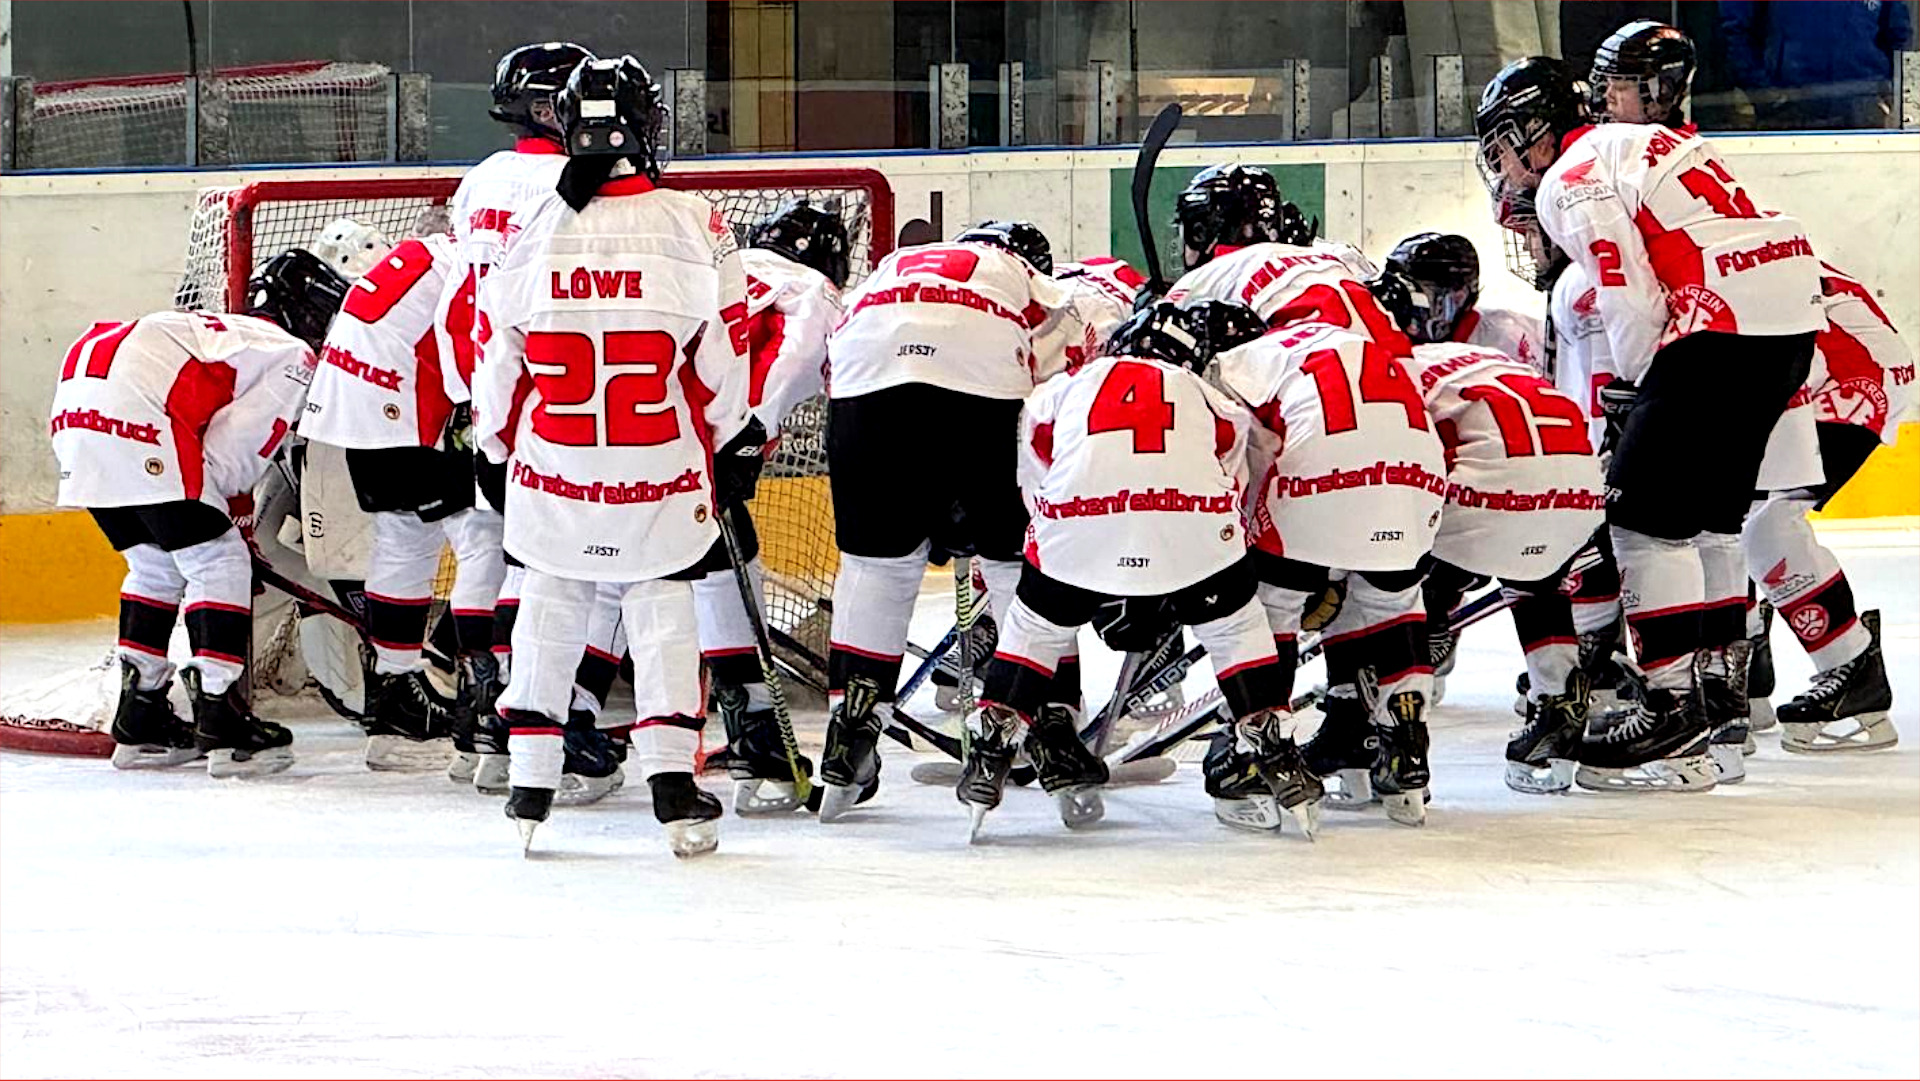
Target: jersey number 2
(1133, 398)
(565, 371)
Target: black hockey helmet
(809, 235)
(1442, 275)
(611, 111)
(525, 81)
(1162, 330)
(1653, 62)
(1294, 228)
(1022, 238)
(299, 292)
(1531, 102)
(1223, 324)
(1226, 204)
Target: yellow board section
(56, 567)
(1888, 485)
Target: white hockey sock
(1032, 641)
(219, 607)
(1724, 574)
(664, 639)
(1803, 580)
(1002, 577)
(1549, 665)
(400, 572)
(480, 564)
(873, 603)
(1663, 586)
(150, 598)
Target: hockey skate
(1069, 772)
(1760, 681)
(1257, 777)
(410, 724)
(236, 743)
(1541, 754)
(1401, 775)
(691, 817)
(1846, 708)
(1659, 746)
(946, 675)
(756, 760)
(592, 771)
(1346, 748)
(993, 734)
(528, 807)
(1722, 677)
(490, 776)
(1610, 689)
(147, 733)
(850, 764)
(479, 686)
(1443, 649)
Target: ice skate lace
(1630, 727)
(1828, 686)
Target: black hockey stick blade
(1158, 133)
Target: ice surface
(334, 922)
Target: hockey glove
(460, 428)
(1134, 624)
(736, 467)
(1616, 401)
(492, 479)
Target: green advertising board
(1303, 185)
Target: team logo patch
(1809, 622)
(1433, 519)
(1694, 308)
(1226, 533)
(155, 467)
(390, 411)
(700, 513)
(1860, 401)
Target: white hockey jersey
(791, 309)
(1504, 330)
(1324, 284)
(379, 383)
(1582, 357)
(1673, 243)
(175, 405)
(1100, 293)
(959, 316)
(488, 207)
(1862, 372)
(1524, 488)
(616, 364)
(1135, 471)
(1358, 477)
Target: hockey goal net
(236, 228)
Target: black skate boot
(1347, 745)
(1760, 679)
(592, 770)
(528, 807)
(1609, 688)
(946, 675)
(993, 734)
(691, 817)
(1658, 746)
(1401, 775)
(478, 679)
(147, 733)
(410, 724)
(1542, 753)
(1254, 773)
(850, 765)
(236, 743)
(756, 758)
(1069, 772)
(1722, 678)
(1846, 708)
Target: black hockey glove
(492, 479)
(1616, 401)
(736, 466)
(1134, 624)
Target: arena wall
(79, 247)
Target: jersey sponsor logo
(1274, 269)
(1729, 263)
(1126, 499)
(1781, 582)
(617, 494)
(584, 284)
(1583, 499)
(92, 420)
(1439, 370)
(384, 378)
(1399, 474)
(1587, 304)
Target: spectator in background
(1812, 64)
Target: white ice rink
(331, 922)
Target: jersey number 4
(1383, 381)
(1133, 398)
(566, 369)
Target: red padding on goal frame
(76, 743)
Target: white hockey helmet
(350, 247)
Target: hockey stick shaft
(1158, 133)
(763, 645)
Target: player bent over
(601, 396)
(162, 427)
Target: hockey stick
(963, 605)
(763, 645)
(1157, 135)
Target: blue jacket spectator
(1818, 62)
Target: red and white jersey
(616, 363)
(488, 207)
(1135, 471)
(959, 316)
(1524, 488)
(1100, 293)
(379, 383)
(1862, 371)
(1324, 284)
(1674, 243)
(1504, 330)
(1582, 356)
(176, 405)
(791, 308)
(1359, 474)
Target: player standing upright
(616, 365)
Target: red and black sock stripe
(397, 622)
(738, 666)
(219, 630)
(1823, 614)
(1665, 635)
(1544, 619)
(146, 624)
(844, 663)
(1395, 649)
(595, 673)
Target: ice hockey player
(1134, 469)
(162, 427)
(1524, 495)
(486, 210)
(1351, 478)
(1101, 293)
(379, 394)
(1711, 310)
(926, 376)
(1442, 273)
(615, 483)
(1642, 74)
(797, 260)
(1863, 389)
